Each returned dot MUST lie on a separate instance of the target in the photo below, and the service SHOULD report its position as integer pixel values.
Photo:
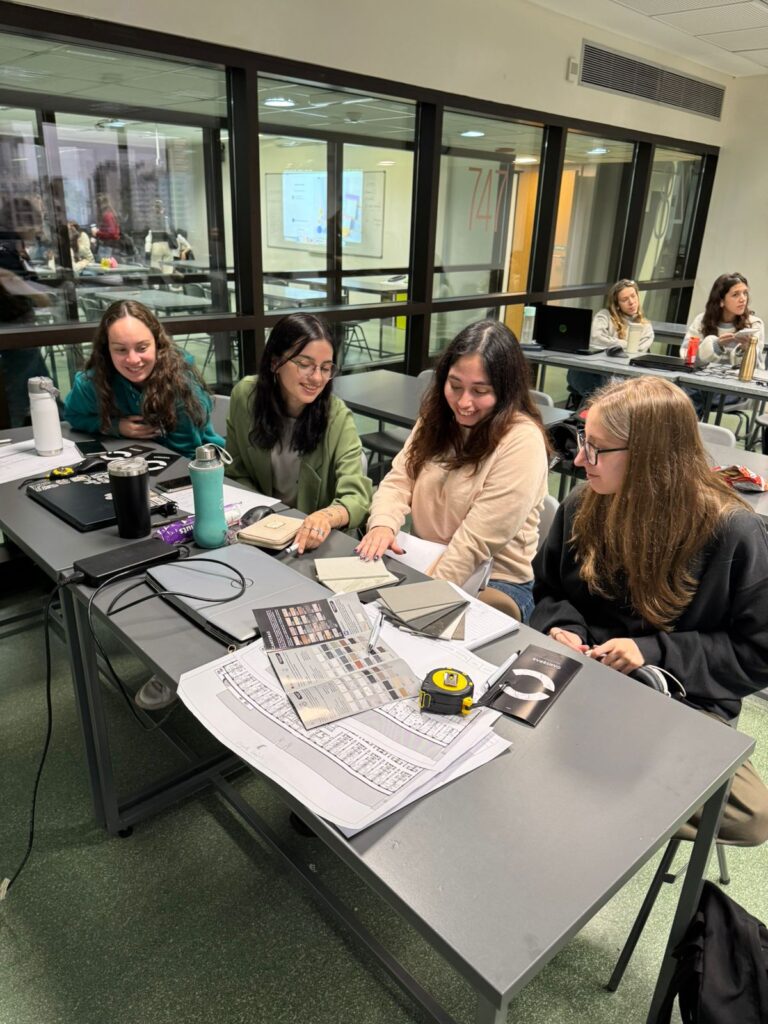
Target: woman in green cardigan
(291, 438)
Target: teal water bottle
(207, 473)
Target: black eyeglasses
(592, 453)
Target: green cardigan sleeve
(348, 484)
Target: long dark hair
(288, 338)
(713, 311)
(169, 384)
(439, 436)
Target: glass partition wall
(224, 188)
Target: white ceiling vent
(622, 73)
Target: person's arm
(81, 407)
(646, 338)
(554, 561)
(759, 326)
(603, 333)
(352, 490)
(514, 485)
(238, 427)
(726, 657)
(391, 504)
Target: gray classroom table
(395, 397)
(161, 301)
(549, 831)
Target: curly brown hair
(439, 436)
(168, 386)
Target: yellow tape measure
(446, 691)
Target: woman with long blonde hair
(656, 561)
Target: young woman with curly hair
(137, 384)
(657, 561)
(473, 473)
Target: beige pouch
(273, 531)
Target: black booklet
(533, 682)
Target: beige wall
(503, 50)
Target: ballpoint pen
(293, 549)
(375, 632)
(495, 684)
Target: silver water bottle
(46, 426)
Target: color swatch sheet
(319, 652)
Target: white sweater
(711, 351)
(603, 333)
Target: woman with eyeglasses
(610, 326)
(473, 473)
(291, 438)
(656, 561)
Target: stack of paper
(352, 575)
(433, 608)
(424, 555)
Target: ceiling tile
(758, 56)
(656, 7)
(738, 41)
(719, 19)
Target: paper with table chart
(20, 460)
(352, 772)
(422, 554)
(232, 496)
(320, 652)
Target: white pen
(293, 549)
(6, 440)
(495, 676)
(375, 632)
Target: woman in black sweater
(658, 562)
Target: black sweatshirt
(718, 647)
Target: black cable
(6, 884)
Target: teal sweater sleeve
(81, 407)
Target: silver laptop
(269, 584)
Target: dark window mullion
(426, 180)
(547, 200)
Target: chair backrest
(542, 398)
(717, 435)
(220, 414)
(546, 518)
(426, 374)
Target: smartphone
(176, 483)
(87, 448)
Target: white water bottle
(46, 426)
(529, 318)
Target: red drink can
(692, 351)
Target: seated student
(80, 247)
(291, 438)
(723, 330)
(137, 384)
(473, 473)
(656, 561)
(610, 326)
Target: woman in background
(79, 246)
(625, 577)
(473, 473)
(610, 326)
(137, 384)
(291, 438)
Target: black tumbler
(129, 483)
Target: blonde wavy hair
(614, 309)
(644, 540)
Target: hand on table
(620, 653)
(568, 639)
(135, 427)
(314, 530)
(376, 542)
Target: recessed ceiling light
(386, 163)
(111, 122)
(472, 135)
(526, 160)
(597, 151)
(283, 102)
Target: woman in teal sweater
(136, 384)
(291, 438)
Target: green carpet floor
(191, 921)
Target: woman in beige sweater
(473, 473)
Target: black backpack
(722, 965)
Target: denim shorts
(522, 593)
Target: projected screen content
(297, 214)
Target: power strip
(97, 569)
